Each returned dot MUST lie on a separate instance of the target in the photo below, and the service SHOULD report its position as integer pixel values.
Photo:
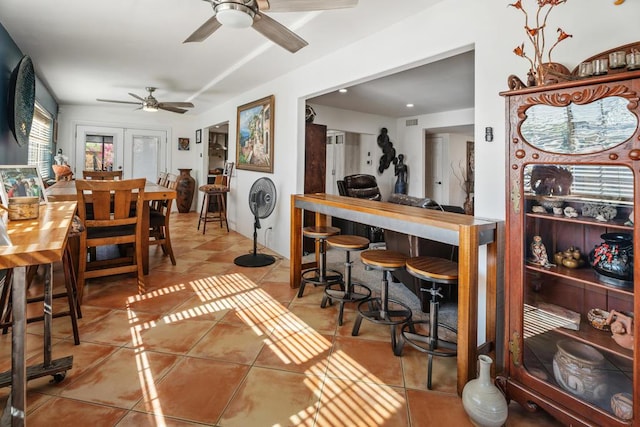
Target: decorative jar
(613, 259)
(185, 189)
(483, 402)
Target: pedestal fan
(262, 201)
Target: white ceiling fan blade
(172, 109)
(278, 33)
(176, 104)
(205, 30)
(303, 5)
(119, 102)
(137, 97)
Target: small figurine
(539, 252)
(622, 328)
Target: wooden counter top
(38, 241)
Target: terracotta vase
(185, 190)
(482, 400)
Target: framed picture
(20, 180)
(254, 141)
(183, 144)
(198, 136)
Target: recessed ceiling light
(342, 90)
(409, 105)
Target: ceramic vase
(483, 402)
(613, 259)
(186, 188)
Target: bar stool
(318, 276)
(346, 291)
(217, 192)
(437, 271)
(377, 309)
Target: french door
(139, 153)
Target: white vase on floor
(482, 400)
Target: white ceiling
(85, 50)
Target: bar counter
(465, 231)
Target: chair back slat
(102, 175)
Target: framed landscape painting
(254, 141)
(20, 181)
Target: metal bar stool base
(336, 292)
(374, 311)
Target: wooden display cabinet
(574, 146)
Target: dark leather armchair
(361, 186)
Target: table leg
(18, 338)
(295, 264)
(467, 306)
(145, 237)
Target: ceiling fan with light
(248, 13)
(150, 103)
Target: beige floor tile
(231, 342)
(346, 403)
(119, 327)
(367, 361)
(304, 351)
(323, 320)
(270, 397)
(122, 379)
(195, 390)
(443, 372)
(138, 419)
(65, 412)
(170, 334)
(428, 409)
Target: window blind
(41, 141)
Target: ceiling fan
(248, 13)
(150, 103)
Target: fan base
(254, 260)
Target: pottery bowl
(577, 367)
(597, 318)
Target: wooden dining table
(25, 243)
(66, 191)
(467, 232)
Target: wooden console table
(466, 232)
(32, 242)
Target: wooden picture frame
(20, 181)
(254, 139)
(198, 136)
(183, 144)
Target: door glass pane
(578, 270)
(98, 152)
(145, 155)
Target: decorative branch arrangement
(535, 33)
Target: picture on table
(20, 181)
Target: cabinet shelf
(617, 224)
(534, 324)
(582, 275)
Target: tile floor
(215, 344)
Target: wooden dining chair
(102, 175)
(159, 221)
(117, 218)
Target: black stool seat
(423, 335)
(378, 310)
(347, 290)
(319, 276)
